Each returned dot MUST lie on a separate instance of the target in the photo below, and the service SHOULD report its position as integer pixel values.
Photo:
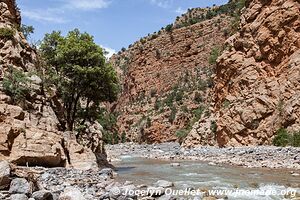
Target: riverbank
(249, 157)
(155, 170)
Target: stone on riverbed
(42, 195)
(18, 197)
(71, 194)
(164, 184)
(175, 164)
(20, 186)
(4, 175)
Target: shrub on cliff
(7, 33)
(214, 54)
(77, 68)
(169, 28)
(26, 30)
(17, 85)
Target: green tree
(78, 69)
(26, 30)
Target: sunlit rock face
(29, 133)
(259, 76)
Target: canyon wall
(257, 78)
(166, 77)
(30, 133)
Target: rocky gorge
(184, 95)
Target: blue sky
(113, 23)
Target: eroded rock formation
(166, 78)
(257, 80)
(29, 135)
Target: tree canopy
(76, 66)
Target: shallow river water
(262, 183)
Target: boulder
(164, 184)
(4, 175)
(18, 197)
(42, 195)
(71, 193)
(175, 164)
(20, 186)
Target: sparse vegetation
(283, 138)
(157, 104)
(108, 121)
(7, 33)
(182, 134)
(169, 28)
(213, 126)
(26, 30)
(153, 92)
(17, 85)
(214, 54)
(172, 116)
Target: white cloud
(180, 11)
(109, 51)
(87, 4)
(162, 3)
(43, 16)
(55, 15)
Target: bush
(214, 54)
(282, 138)
(157, 104)
(16, 85)
(198, 113)
(172, 115)
(182, 134)
(198, 97)
(26, 30)
(169, 28)
(213, 126)
(123, 137)
(153, 92)
(7, 33)
(296, 139)
(179, 95)
(148, 122)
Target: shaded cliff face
(166, 78)
(257, 80)
(29, 133)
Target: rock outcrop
(257, 79)
(166, 77)
(30, 134)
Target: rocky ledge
(250, 157)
